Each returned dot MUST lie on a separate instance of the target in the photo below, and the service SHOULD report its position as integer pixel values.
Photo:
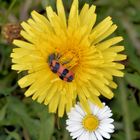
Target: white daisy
(94, 126)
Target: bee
(59, 69)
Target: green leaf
(135, 3)
(3, 112)
(13, 135)
(133, 79)
(20, 112)
(47, 125)
(118, 136)
(130, 110)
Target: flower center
(69, 59)
(90, 122)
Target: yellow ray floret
(79, 47)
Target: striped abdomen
(62, 72)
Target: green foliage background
(24, 119)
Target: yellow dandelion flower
(68, 58)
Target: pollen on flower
(69, 59)
(69, 53)
(90, 122)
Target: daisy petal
(93, 136)
(99, 137)
(108, 120)
(77, 133)
(104, 134)
(74, 127)
(79, 109)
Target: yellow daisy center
(90, 122)
(69, 58)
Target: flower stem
(9, 10)
(125, 111)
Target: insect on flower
(58, 68)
